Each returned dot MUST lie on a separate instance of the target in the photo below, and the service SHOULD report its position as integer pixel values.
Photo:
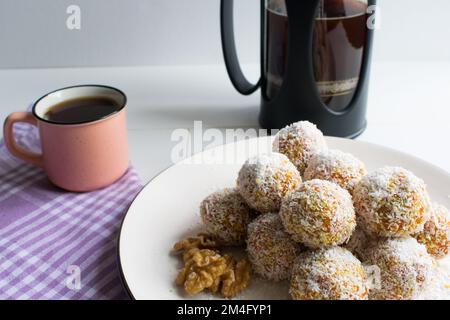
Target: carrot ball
(319, 213)
(436, 232)
(226, 216)
(266, 179)
(391, 202)
(336, 166)
(299, 142)
(360, 242)
(270, 249)
(328, 274)
(405, 268)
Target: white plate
(166, 210)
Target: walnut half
(202, 268)
(201, 241)
(235, 279)
(207, 269)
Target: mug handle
(234, 70)
(11, 145)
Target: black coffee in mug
(81, 110)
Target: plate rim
(122, 223)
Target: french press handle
(234, 70)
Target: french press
(315, 62)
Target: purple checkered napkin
(56, 244)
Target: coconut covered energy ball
(391, 202)
(436, 232)
(360, 242)
(270, 249)
(226, 216)
(299, 142)
(405, 268)
(319, 213)
(328, 274)
(266, 179)
(336, 166)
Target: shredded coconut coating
(319, 213)
(405, 268)
(336, 166)
(391, 202)
(328, 274)
(360, 242)
(436, 232)
(226, 216)
(299, 142)
(270, 249)
(266, 179)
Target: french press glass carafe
(315, 59)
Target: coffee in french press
(315, 63)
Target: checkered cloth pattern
(55, 244)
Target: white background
(167, 32)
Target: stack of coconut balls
(322, 222)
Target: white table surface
(409, 105)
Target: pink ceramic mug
(76, 156)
